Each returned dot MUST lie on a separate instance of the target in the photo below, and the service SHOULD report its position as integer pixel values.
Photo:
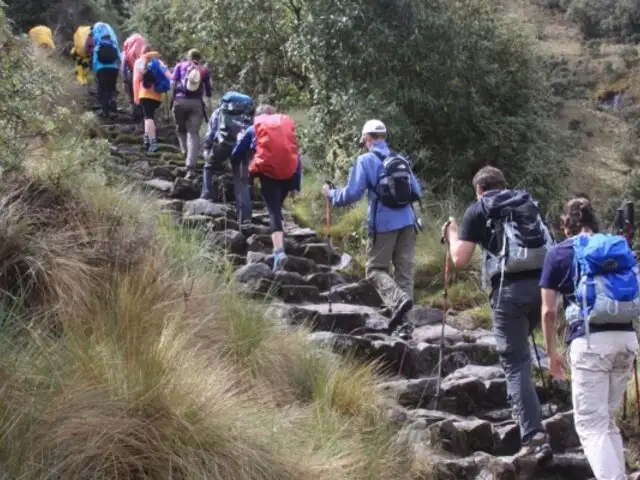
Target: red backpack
(276, 146)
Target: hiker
(151, 80)
(105, 64)
(601, 350)
(80, 56)
(505, 223)
(392, 222)
(226, 125)
(134, 46)
(276, 163)
(190, 80)
(42, 37)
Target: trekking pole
(545, 386)
(327, 232)
(447, 259)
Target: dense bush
(457, 85)
(63, 16)
(600, 18)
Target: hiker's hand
(326, 188)
(449, 226)
(557, 366)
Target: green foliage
(459, 89)
(243, 42)
(605, 18)
(63, 16)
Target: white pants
(599, 377)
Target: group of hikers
(593, 273)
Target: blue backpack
(607, 287)
(155, 76)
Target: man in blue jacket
(106, 58)
(392, 231)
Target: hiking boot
(146, 142)
(398, 315)
(278, 261)
(536, 448)
(190, 175)
(153, 147)
(403, 332)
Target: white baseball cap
(372, 126)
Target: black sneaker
(398, 315)
(403, 332)
(537, 448)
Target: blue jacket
(247, 146)
(99, 30)
(362, 178)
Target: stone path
(472, 430)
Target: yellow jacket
(42, 36)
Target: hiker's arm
(207, 83)
(463, 243)
(549, 283)
(297, 178)
(243, 146)
(415, 184)
(354, 191)
(212, 127)
(136, 85)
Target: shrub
(605, 18)
(460, 88)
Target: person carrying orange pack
(276, 163)
(133, 47)
(151, 80)
(81, 57)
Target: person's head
(265, 109)
(372, 131)
(488, 178)
(145, 49)
(579, 217)
(193, 55)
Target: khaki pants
(188, 114)
(399, 249)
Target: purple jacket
(179, 76)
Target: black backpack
(520, 234)
(233, 119)
(394, 187)
(107, 52)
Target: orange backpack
(276, 147)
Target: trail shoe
(537, 448)
(190, 175)
(399, 313)
(146, 142)
(279, 258)
(153, 146)
(404, 332)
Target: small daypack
(393, 186)
(155, 76)
(606, 279)
(523, 239)
(107, 52)
(234, 116)
(193, 78)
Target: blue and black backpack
(155, 76)
(606, 280)
(107, 52)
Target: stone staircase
(471, 434)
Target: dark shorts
(149, 107)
